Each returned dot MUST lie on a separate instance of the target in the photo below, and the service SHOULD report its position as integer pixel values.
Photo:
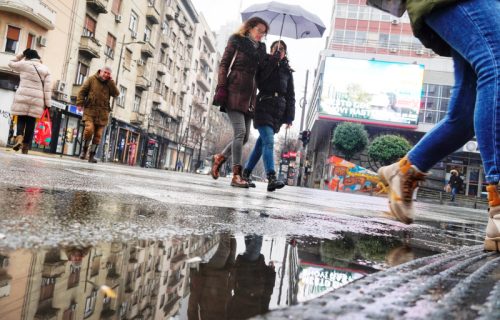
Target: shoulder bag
(220, 96)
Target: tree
(387, 149)
(350, 138)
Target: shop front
(68, 131)
(125, 141)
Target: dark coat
(456, 182)
(276, 99)
(240, 84)
(94, 97)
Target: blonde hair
(249, 24)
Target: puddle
(219, 276)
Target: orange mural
(347, 176)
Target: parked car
(203, 170)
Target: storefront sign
(74, 109)
(58, 105)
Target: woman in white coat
(32, 95)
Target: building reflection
(194, 277)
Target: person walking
(275, 107)
(94, 98)
(32, 96)
(468, 31)
(236, 81)
(455, 183)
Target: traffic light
(304, 137)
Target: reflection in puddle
(196, 277)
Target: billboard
(372, 92)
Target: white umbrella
(287, 20)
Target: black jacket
(456, 182)
(276, 99)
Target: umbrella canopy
(287, 20)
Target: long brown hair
(249, 24)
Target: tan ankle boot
(237, 180)
(492, 240)
(217, 162)
(25, 148)
(18, 143)
(402, 178)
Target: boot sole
(212, 170)
(239, 186)
(492, 244)
(17, 146)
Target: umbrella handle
(282, 23)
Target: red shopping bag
(43, 130)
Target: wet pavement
(186, 246)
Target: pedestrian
(179, 165)
(131, 152)
(94, 97)
(468, 31)
(32, 96)
(455, 183)
(275, 107)
(236, 81)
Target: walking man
(94, 98)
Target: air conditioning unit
(141, 62)
(118, 18)
(420, 52)
(393, 50)
(134, 34)
(60, 86)
(42, 41)
(395, 21)
(471, 146)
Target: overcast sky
(303, 54)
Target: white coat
(31, 97)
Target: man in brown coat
(94, 98)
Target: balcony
(164, 40)
(34, 10)
(162, 68)
(153, 15)
(197, 102)
(187, 31)
(184, 88)
(53, 269)
(98, 6)
(142, 83)
(148, 50)
(204, 85)
(136, 118)
(196, 124)
(170, 13)
(205, 59)
(89, 47)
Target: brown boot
(93, 150)
(85, 149)
(25, 148)
(492, 240)
(18, 143)
(237, 180)
(217, 162)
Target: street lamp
(107, 133)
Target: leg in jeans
(456, 128)
(241, 131)
(267, 135)
(453, 193)
(255, 155)
(472, 29)
(29, 130)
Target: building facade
(363, 33)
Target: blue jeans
(263, 147)
(454, 192)
(472, 29)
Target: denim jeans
(454, 192)
(241, 129)
(472, 29)
(263, 147)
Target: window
(12, 40)
(90, 304)
(147, 33)
(127, 59)
(158, 85)
(74, 276)
(89, 27)
(115, 8)
(47, 288)
(137, 103)
(30, 43)
(110, 46)
(96, 262)
(162, 56)
(81, 74)
(121, 98)
(134, 20)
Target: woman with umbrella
(275, 107)
(236, 89)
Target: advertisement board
(372, 92)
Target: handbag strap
(232, 62)
(39, 76)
